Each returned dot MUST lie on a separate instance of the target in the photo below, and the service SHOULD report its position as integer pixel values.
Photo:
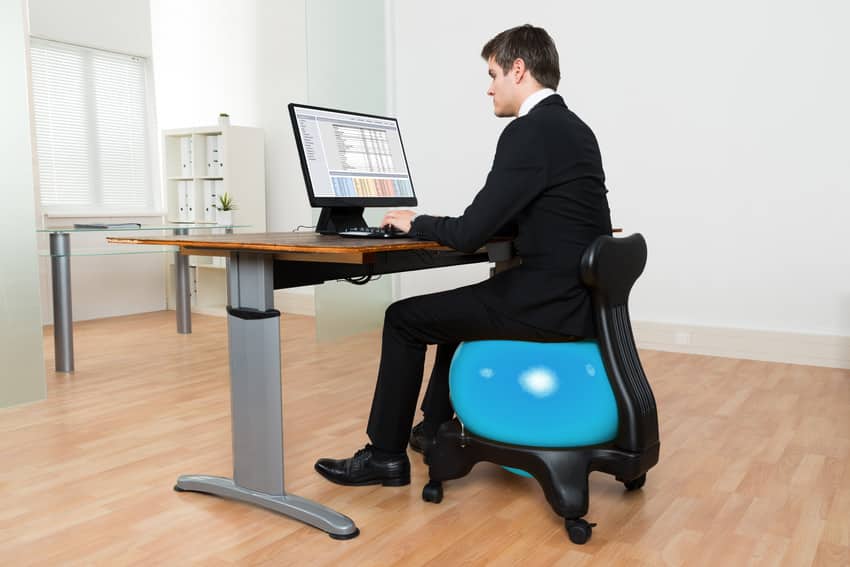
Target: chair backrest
(610, 266)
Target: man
(547, 188)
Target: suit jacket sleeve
(517, 177)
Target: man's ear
(518, 70)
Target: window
(91, 130)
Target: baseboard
(295, 303)
(214, 310)
(793, 348)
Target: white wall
(122, 26)
(723, 128)
(101, 286)
(247, 59)
(22, 374)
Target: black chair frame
(609, 268)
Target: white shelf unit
(223, 159)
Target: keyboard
(372, 232)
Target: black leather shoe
(420, 439)
(366, 468)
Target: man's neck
(533, 98)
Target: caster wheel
(636, 483)
(579, 530)
(433, 492)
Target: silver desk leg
(182, 291)
(253, 329)
(63, 321)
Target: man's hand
(399, 219)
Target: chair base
(561, 472)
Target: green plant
(225, 202)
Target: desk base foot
(335, 524)
(352, 535)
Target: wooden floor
(755, 466)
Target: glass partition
(346, 69)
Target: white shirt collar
(532, 100)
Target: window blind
(91, 128)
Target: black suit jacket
(546, 186)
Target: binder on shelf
(218, 144)
(213, 156)
(186, 156)
(210, 197)
(191, 204)
(182, 205)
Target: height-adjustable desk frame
(259, 264)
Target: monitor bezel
(347, 201)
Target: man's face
(502, 89)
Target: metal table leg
(253, 329)
(182, 292)
(63, 321)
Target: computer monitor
(350, 161)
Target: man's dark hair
(532, 45)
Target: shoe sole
(382, 482)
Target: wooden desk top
(304, 246)
(298, 246)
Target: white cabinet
(201, 164)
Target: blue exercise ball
(534, 394)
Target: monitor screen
(351, 159)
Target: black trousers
(444, 319)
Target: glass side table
(60, 271)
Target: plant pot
(224, 217)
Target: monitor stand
(334, 219)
